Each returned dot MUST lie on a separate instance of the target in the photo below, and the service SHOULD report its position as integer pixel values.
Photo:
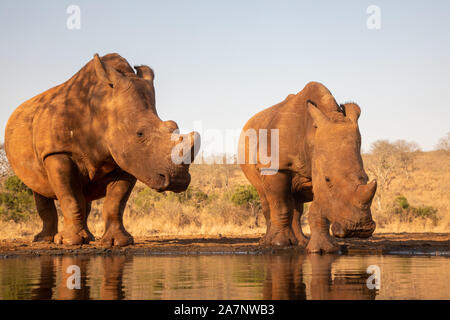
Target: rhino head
(136, 138)
(340, 187)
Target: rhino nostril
(165, 180)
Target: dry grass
(149, 213)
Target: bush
(245, 196)
(16, 201)
(409, 213)
(146, 198)
(192, 196)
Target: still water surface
(284, 276)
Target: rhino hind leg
(118, 191)
(47, 211)
(65, 180)
(297, 223)
(266, 212)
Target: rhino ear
(145, 72)
(108, 74)
(318, 117)
(352, 111)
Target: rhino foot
(90, 235)
(321, 243)
(116, 237)
(302, 241)
(279, 237)
(72, 237)
(45, 236)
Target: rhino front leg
(65, 180)
(117, 193)
(278, 194)
(297, 223)
(320, 240)
(47, 211)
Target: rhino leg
(88, 210)
(117, 194)
(297, 223)
(266, 212)
(277, 190)
(320, 241)
(65, 180)
(47, 211)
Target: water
(287, 276)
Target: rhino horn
(145, 72)
(109, 75)
(366, 192)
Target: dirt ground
(403, 243)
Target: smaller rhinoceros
(91, 137)
(319, 160)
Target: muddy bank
(404, 243)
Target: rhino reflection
(64, 293)
(285, 280)
(53, 278)
(112, 287)
(346, 286)
(47, 280)
(283, 276)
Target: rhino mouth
(359, 231)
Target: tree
(405, 152)
(247, 196)
(386, 159)
(5, 168)
(444, 143)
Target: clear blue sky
(223, 61)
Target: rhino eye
(139, 133)
(327, 179)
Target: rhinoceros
(319, 160)
(91, 137)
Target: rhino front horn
(366, 192)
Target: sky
(217, 63)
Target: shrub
(245, 196)
(409, 213)
(248, 197)
(16, 201)
(192, 195)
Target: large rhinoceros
(319, 160)
(91, 137)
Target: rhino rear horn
(366, 192)
(145, 72)
(318, 117)
(109, 75)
